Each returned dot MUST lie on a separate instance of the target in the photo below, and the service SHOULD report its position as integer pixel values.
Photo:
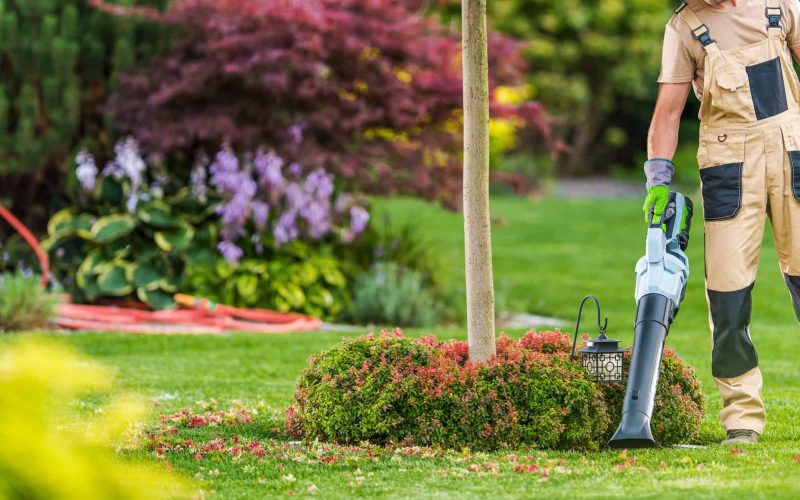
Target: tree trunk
(477, 219)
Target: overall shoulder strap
(699, 29)
(774, 12)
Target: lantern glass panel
(603, 366)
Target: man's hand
(657, 199)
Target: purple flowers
(127, 164)
(257, 190)
(86, 171)
(262, 198)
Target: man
(738, 57)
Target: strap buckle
(705, 37)
(774, 15)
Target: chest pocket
(734, 95)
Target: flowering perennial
(302, 206)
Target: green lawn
(547, 255)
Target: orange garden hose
(198, 315)
(31, 240)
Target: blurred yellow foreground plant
(48, 450)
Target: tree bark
(477, 219)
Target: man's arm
(663, 137)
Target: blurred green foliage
(51, 451)
(24, 303)
(594, 67)
(392, 295)
(59, 60)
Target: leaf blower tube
(661, 277)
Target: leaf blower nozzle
(661, 277)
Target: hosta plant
(133, 234)
(298, 278)
(234, 228)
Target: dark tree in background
(368, 88)
(58, 60)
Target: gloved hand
(657, 198)
(659, 176)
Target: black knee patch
(733, 353)
(766, 85)
(793, 282)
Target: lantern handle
(602, 327)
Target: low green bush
(393, 295)
(388, 389)
(24, 304)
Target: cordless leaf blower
(661, 277)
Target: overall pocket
(722, 191)
(791, 139)
(733, 87)
(721, 161)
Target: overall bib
(749, 159)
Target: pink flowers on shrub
(390, 389)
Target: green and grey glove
(659, 176)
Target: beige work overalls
(749, 159)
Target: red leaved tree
(371, 89)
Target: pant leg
(732, 250)
(784, 202)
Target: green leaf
(94, 263)
(157, 299)
(247, 285)
(113, 282)
(111, 191)
(66, 222)
(293, 295)
(306, 274)
(331, 273)
(200, 257)
(146, 251)
(143, 276)
(169, 285)
(157, 214)
(175, 240)
(224, 269)
(111, 227)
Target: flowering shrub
(369, 89)
(136, 232)
(295, 206)
(390, 389)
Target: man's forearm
(662, 141)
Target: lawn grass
(547, 254)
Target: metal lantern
(602, 356)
